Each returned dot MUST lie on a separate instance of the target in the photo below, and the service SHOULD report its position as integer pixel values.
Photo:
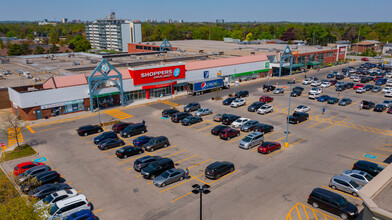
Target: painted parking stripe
(97, 211)
(316, 124)
(143, 156)
(385, 164)
(182, 182)
(200, 129)
(177, 162)
(383, 149)
(202, 122)
(241, 136)
(327, 127)
(277, 151)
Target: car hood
(351, 208)
(146, 170)
(159, 179)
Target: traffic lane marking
(182, 182)
(202, 122)
(277, 151)
(327, 127)
(216, 123)
(143, 156)
(316, 124)
(30, 129)
(338, 191)
(177, 162)
(241, 136)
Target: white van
(66, 207)
(55, 197)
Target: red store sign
(146, 76)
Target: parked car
(156, 143)
(349, 85)
(368, 87)
(345, 184)
(302, 108)
(387, 103)
(386, 89)
(169, 176)
(251, 140)
(228, 133)
(255, 106)
(190, 120)
(83, 214)
(323, 98)
(339, 77)
(169, 112)
(128, 151)
(360, 90)
(278, 91)
(379, 108)
(47, 189)
(332, 202)
(365, 59)
(357, 86)
(333, 100)
(40, 179)
(239, 122)
(237, 103)
(203, 112)
(264, 128)
(218, 117)
(249, 126)
(367, 166)
(177, 117)
(325, 84)
(315, 90)
(298, 88)
(358, 176)
(192, 107)
(143, 162)
(241, 94)
(217, 129)
(367, 104)
(31, 173)
(118, 127)
(156, 168)
(267, 147)
(298, 117)
(340, 88)
(110, 143)
(389, 110)
(134, 129)
(307, 81)
(331, 76)
(268, 88)
(54, 197)
(228, 101)
(388, 94)
(66, 207)
(333, 82)
(265, 109)
(345, 101)
(23, 167)
(141, 140)
(266, 99)
(296, 93)
(376, 89)
(89, 129)
(227, 119)
(316, 83)
(218, 169)
(105, 135)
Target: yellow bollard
(286, 144)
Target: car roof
(254, 134)
(66, 201)
(64, 192)
(326, 192)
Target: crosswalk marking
(168, 102)
(118, 114)
(12, 136)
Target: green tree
(14, 50)
(237, 34)
(249, 37)
(53, 37)
(80, 44)
(25, 49)
(11, 34)
(53, 49)
(39, 50)
(1, 44)
(12, 126)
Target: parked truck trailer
(200, 87)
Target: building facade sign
(146, 76)
(59, 104)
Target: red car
(268, 147)
(358, 86)
(266, 99)
(228, 133)
(118, 127)
(365, 59)
(333, 82)
(390, 110)
(22, 167)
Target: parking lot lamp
(286, 144)
(200, 190)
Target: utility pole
(359, 32)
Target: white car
(54, 197)
(388, 94)
(356, 79)
(316, 83)
(386, 89)
(265, 109)
(315, 90)
(389, 82)
(302, 108)
(314, 95)
(307, 81)
(325, 84)
(361, 90)
(203, 111)
(237, 103)
(278, 91)
(388, 75)
(239, 122)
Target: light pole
(99, 114)
(286, 144)
(234, 80)
(200, 190)
(171, 92)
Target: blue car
(323, 98)
(84, 214)
(140, 141)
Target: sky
(200, 10)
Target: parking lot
(266, 186)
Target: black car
(110, 143)
(169, 112)
(331, 76)
(339, 77)
(105, 135)
(47, 189)
(364, 80)
(367, 166)
(217, 129)
(368, 87)
(268, 88)
(127, 151)
(332, 202)
(298, 88)
(340, 88)
(228, 101)
(227, 119)
(118, 127)
(345, 101)
(88, 129)
(367, 104)
(218, 169)
(263, 128)
(157, 168)
(177, 117)
(298, 117)
(191, 120)
(142, 140)
(255, 106)
(296, 93)
(333, 100)
(41, 179)
(192, 107)
(31, 173)
(156, 143)
(379, 108)
(349, 85)
(142, 162)
(242, 94)
(380, 82)
(134, 129)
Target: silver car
(169, 176)
(248, 126)
(345, 184)
(252, 140)
(203, 111)
(358, 176)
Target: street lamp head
(206, 186)
(195, 191)
(206, 191)
(196, 186)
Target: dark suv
(169, 112)
(156, 143)
(227, 119)
(218, 169)
(179, 116)
(298, 117)
(242, 94)
(89, 129)
(41, 179)
(192, 107)
(142, 162)
(134, 129)
(105, 135)
(367, 105)
(228, 133)
(228, 101)
(157, 168)
(255, 106)
(369, 167)
(120, 126)
(332, 202)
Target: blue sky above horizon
(202, 10)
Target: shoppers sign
(152, 75)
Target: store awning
(313, 63)
(295, 66)
(249, 73)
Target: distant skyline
(202, 10)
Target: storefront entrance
(160, 92)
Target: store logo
(176, 72)
(105, 68)
(203, 85)
(267, 65)
(206, 74)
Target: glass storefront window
(320, 57)
(135, 95)
(302, 59)
(311, 57)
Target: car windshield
(246, 139)
(165, 174)
(121, 150)
(48, 199)
(342, 202)
(300, 106)
(152, 166)
(264, 107)
(239, 120)
(354, 184)
(53, 209)
(368, 177)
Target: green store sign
(107, 94)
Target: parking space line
(299, 215)
(314, 213)
(97, 211)
(202, 122)
(353, 103)
(48, 129)
(185, 181)
(114, 148)
(270, 133)
(175, 153)
(30, 129)
(241, 136)
(289, 213)
(306, 213)
(223, 177)
(329, 188)
(385, 164)
(79, 191)
(186, 159)
(207, 126)
(89, 142)
(283, 114)
(181, 197)
(316, 124)
(379, 154)
(143, 156)
(327, 127)
(111, 156)
(200, 180)
(198, 164)
(383, 149)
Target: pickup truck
(298, 117)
